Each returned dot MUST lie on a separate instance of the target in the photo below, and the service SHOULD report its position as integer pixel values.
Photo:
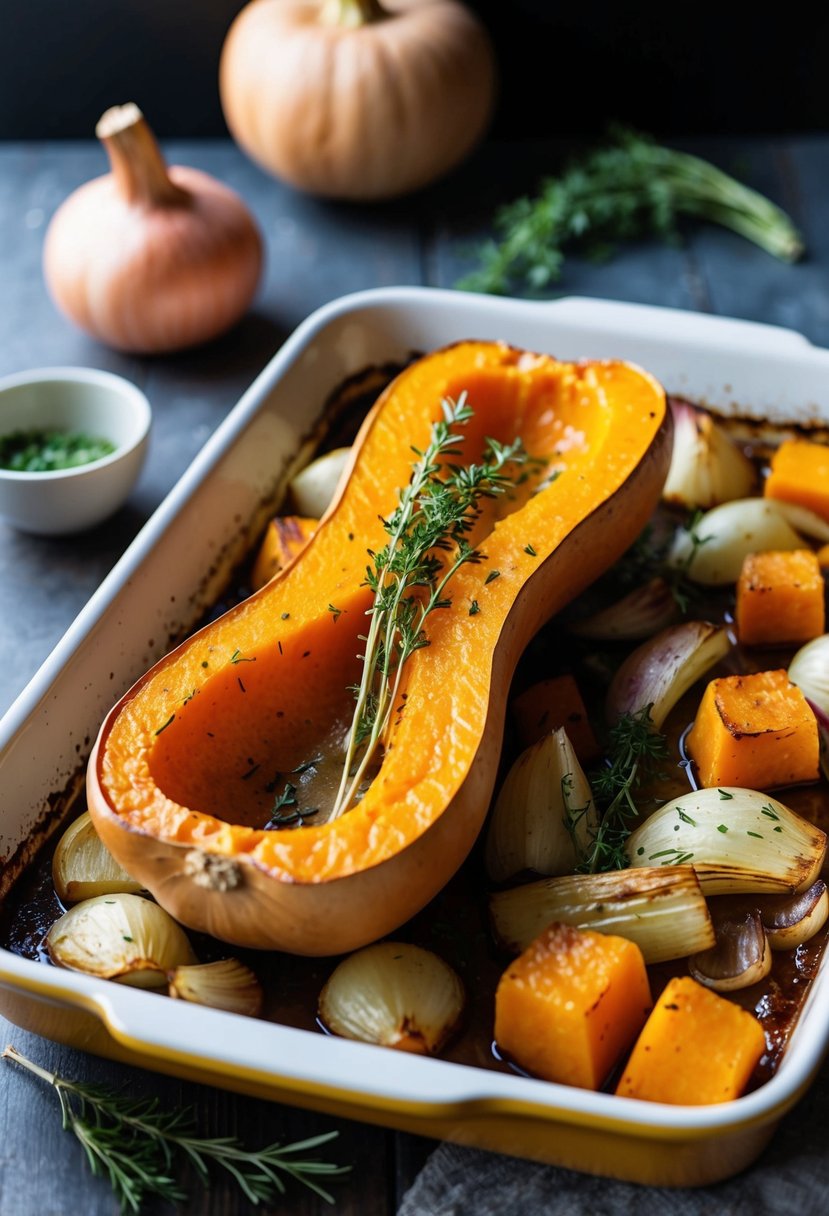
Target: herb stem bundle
(408, 578)
(631, 188)
(135, 1145)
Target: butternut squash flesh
(696, 1048)
(183, 775)
(754, 731)
(571, 1004)
(780, 598)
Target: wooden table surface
(316, 251)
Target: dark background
(566, 68)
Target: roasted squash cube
(755, 731)
(696, 1048)
(800, 474)
(780, 598)
(571, 1004)
(549, 705)
(287, 536)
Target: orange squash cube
(287, 535)
(800, 474)
(754, 731)
(780, 598)
(549, 705)
(571, 1004)
(823, 557)
(696, 1048)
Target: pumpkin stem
(351, 14)
(138, 167)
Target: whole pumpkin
(346, 99)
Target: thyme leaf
(635, 750)
(428, 543)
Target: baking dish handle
(675, 325)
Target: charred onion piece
(395, 995)
(740, 958)
(791, 920)
(661, 909)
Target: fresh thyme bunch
(136, 1147)
(635, 749)
(428, 543)
(631, 188)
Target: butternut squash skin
(264, 688)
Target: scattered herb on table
(635, 750)
(631, 188)
(408, 579)
(43, 451)
(135, 1145)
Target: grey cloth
(791, 1178)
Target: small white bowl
(72, 399)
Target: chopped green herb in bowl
(42, 451)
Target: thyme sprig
(632, 187)
(136, 1146)
(428, 543)
(635, 749)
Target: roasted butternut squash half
(182, 778)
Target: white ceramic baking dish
(176, 566)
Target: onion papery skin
(151, 280)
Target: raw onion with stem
(147, 258)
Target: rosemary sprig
(428, 543)
(135, 1145)
(634, 751)
(633, 187)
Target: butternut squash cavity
(190, 761)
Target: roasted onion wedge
(82, 867)
(395, 995)
(227, 984)
(544, 817)
(791, 920)
(661, 909)
(659, 671)
(740, 958)
(120, 937)
(737, 840)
